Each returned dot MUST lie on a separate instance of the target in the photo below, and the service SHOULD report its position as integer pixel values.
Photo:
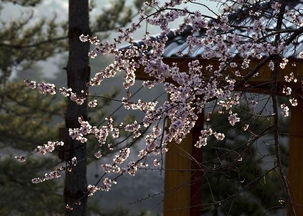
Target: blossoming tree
(252, 46)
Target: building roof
(177, 45)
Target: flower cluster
(238, 52)
(49, 88)
(107, 184)
(233, 119)
(122, 156)
(92, 103)
(285, 110)
(56, 173)
(205, 134)
(48, 147)
(43, 87)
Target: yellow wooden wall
(178, 178)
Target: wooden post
(182, 196)
(183, 176)
(177, 178)
(295, 164)
(197, 171)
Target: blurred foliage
(21, 196)
(23, 2)
(28, 118)
(24, 42)
(118, 14)
(123, 212)
(238, 181)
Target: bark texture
(78, 74)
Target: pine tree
(29, 119)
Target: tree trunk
(78, 74)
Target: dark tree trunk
(78, 74)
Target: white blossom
(233, 119)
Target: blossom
(156, 162)
(31, 84)
(245, 127)
(191, 88)
(48, 147)
(287, 90)
(219, 136)
(92, 103)
(293, 101)
(21, 159)
(132, 168)
(98, 154)
(122, 156)
(92, 189)
(285, 110)
(233, 119)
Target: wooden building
(183, 176)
